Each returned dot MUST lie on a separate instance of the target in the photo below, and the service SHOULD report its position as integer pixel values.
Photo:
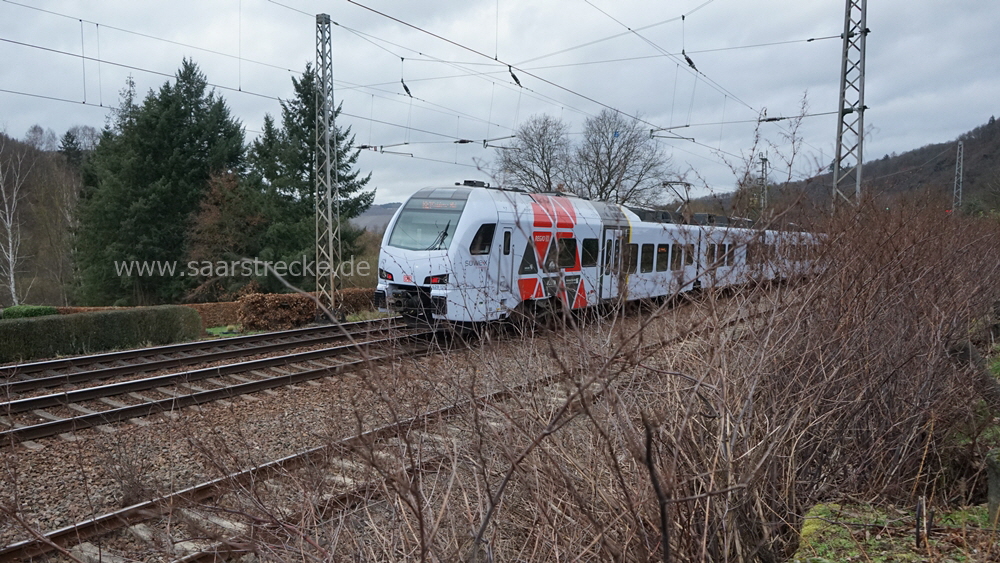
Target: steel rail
(175, 403)
(12, 370)
(160, 506)
(10, 387)
(48, 542)
(112, 389)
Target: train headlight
(439, 279)
(384, 275)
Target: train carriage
(470, 254)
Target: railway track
(350, 480)
(350, 491)
(200, 504)
(68, 411)
(27, 377)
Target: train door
(610, 261)
(505, 274)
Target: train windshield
(426, 223)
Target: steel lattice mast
(956, 194)
(851, 131)
(328, 248)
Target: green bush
(24, 311)
(87, 333)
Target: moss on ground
(835, 533)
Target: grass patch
(833, 533)
(224, 331)
(367, 316)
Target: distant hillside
(931, 168)
(928, 169)
(377, 217)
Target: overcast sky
(932, 71)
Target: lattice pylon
(851, 128)
(328, 247)
(956, 194)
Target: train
(471, 253)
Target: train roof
(608, 210)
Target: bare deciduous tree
(618, 161)
(537, 161)
(14, 169)
(41, 139)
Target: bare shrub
(130, 460)
(700, 428)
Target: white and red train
(471, 254)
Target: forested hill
(932, 167)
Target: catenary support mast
(956, 194)
(851, 130)
(328, 246)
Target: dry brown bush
(281, 311)
(275, 311)
(710, 438)
(846, 386)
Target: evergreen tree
(70, 148)
(283, 163)
(144, 183)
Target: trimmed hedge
(75, 310)
(25, 311)
(87, 333)
(217, 314)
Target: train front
(418, 273)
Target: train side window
(607, 257)
(730, 254)
(590, 253)
(630, 258)
(676, 257)
(710, 257)
(551, 258)
(506, 243)
(646, 260)
(528, 263)
(483, 240)
(662, 257)
(688, 254)
(567, 252)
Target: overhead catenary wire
(689, 64)
(169, 75)
(610, 37)
(458, 66)
(481, 54)
(509, 70)
(155, 38)
(100, 86)
(671, 55)
(465, 72)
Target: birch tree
(14, 170)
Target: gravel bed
(293, 349)
(64, 481)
